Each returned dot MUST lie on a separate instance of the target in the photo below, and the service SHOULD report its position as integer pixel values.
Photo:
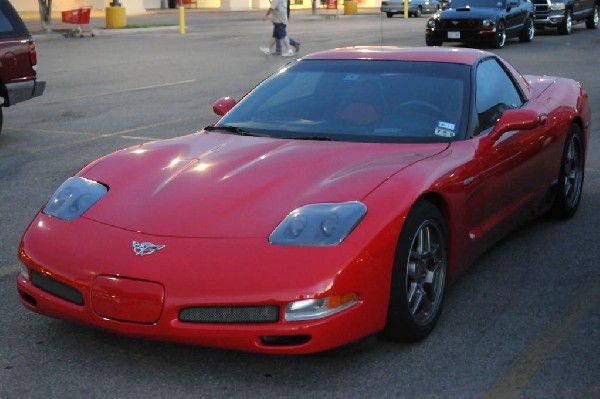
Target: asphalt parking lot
(524, 321)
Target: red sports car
(336, 200)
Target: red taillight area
(32, 54)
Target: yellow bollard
(181, 20)
(350, 7)
(405, 8)
(115, 17)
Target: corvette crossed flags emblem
(145, 248)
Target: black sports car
(491, 21)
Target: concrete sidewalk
(168, 19)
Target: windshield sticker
(352, 76)
(445, 129)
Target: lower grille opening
(57, 288)
(28, 298)
(284, 340)
(230, 314)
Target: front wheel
(528, 31)
(567, 24)
(418, 275)
(592, 21)
(389, 14)
(500, 38)
(570, 179)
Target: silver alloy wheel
(573, 171)
(426, 272)
(530, 30)
(500, 35)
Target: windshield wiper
(316, 138)
(233, 129)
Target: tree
(46, 14)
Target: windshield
(477, 3)
(357, 100)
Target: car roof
(465, 56)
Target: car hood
(221, 185)
(474, 13)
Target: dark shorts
(279, 31)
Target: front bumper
(90, 275)
(471, 35)
(549, 19)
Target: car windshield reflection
(357, 100)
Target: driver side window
(495, 93)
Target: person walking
(295, 44)
(278, 13)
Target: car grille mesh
(230, 314)
(460, 23)
(56, 288)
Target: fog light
(311, 309)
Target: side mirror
(512, 4)
(515, 119)
(223, 105)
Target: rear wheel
(528, 31)
(499, 39)
(570, 180)
(418, 275)
(567, 24)
(592, 21)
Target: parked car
(18, 60)
(337, 199)
(415, 7)
(482, 21)
(562, 14)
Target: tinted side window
(495, 93)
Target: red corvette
(336, 200)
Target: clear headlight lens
(319, 224)
(557, 6)
(431, 23)
(75, 196)
(311, 309)
(487, 23)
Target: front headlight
(431, 23)
(75, 196)
(487, 23)
(557, 6)
(319, 225)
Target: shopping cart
(80, 19)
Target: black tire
(567, 24)
(592, 21)
(418, 275)
(528, 31)
(570, 179)
(389, 14)
(499, 39)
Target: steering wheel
(418, 107)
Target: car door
(516, 12)
(510, 165)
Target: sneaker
(289, 53)
(297, 47)
(265, 50)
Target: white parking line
(8, 270)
